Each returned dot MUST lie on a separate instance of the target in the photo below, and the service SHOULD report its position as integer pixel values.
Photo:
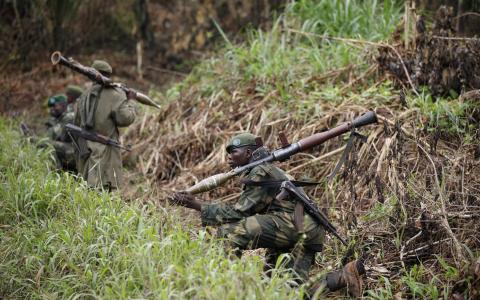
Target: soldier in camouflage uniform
(59, 138)
(102, 110)
(73, 92)
(260, 220)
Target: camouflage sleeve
(54, 133)
(252, 200)
(63, 135)
(124, 114)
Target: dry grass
(405, 196)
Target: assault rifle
(289, 187)
(97, 77)
(94, 137)
(284, 153)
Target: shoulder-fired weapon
(93, 136)
(284, 153)
(96, 76)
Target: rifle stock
(96, 76)
(284, 153)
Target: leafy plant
(61, 239)
(442, 114)
(372, 20)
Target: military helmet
(241, 140)
(102, 66)
(74, 91)
(61, 98)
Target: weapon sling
(353, 135)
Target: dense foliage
(409, 196)
(62, 240)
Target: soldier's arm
(124, 114)
(253, 200)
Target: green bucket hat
(74, 91)
(56, 99)
(102, 66)
(241, 140)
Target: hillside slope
(409, 197)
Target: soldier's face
(57, 110)
(239, 157)
(70, 99)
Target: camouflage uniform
(102, 110)
(261, 220)
(258, 220)
(62, 142)
(59, 138)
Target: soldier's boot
(349, 277)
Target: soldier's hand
(187, 200)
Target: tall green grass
(449, 116)
(60, 239)
(371, 20)
(289, 63)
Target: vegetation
(400, 195)
(408, 196)
(62, 240)
(288, 62)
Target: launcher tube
(281, 154)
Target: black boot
(349, 277)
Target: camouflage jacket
(60, 140)
(253, 200)
(71, 107)
(56, 127)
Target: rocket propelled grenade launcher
(285, 152)
(96, 76)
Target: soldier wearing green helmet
(56, 132)
(103, 67)
(103, 110)
(260, 219)
(73, 92)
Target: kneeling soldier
(260, 219)
(56, 132)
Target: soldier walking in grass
(261, 219)
(102, 109)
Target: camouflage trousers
(278, 234)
